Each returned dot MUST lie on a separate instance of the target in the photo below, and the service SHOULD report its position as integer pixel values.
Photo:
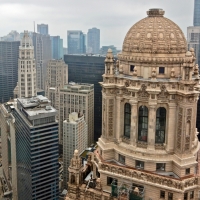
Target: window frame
(161, 70)
(143, 122)
(127, 120)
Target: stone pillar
(134, 119)
(119, 118)
(94, 170)
(151, 126)
(170, 129)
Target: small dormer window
(161, 70)
(132, 68)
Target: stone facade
(149, 144)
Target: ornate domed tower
(149, 138)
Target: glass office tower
(196, 20)
(36, 133)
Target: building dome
(154, 39)
(155, 34)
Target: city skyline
(21, 15)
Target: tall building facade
(32, 153)
(196, 19)
(26, 68)
(43, 29)
(57, 47)
(149, 146)
(74, 137)
(88, 69)
(74, 98)
(93, 41)
(9, 53)
(57, 74)
(76, 42)
(42, 52)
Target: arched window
(127, 120)
(143, 124)
(160, 125)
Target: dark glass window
(187, 171)
(185, 196)
(109, 180)
(161, 70)
(160, 166)
(143, 124)
(132, 68)
(191, 194)
(121, 159)
(162, 194)
(139, 164)
(170, 196)
(127, 120)
(160, 125)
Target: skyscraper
(93, 41)
(88, 69)
(26, 68)
(74, 137)
(196, 19)
(9, 53)
(57, 47)
(42, 52)
(30, 134)
(149, 146)
(74, 97)
(76, 42)
(43, 29)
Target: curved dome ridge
(155, 34)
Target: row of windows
(161, 70)
(140, 164)
(143, 123)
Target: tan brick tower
(148, 148)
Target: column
(151, 126)
(171, 127)
(119, 118)
(134, 119)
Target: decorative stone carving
(153, 74)
(163, 94)
(172, 73)
(142, 92)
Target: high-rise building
(43, 29)
(74, 98)
(26, 68)
(42, 52)
(76, 42)
(104, 50)
(196, 19)
(12, 36)
(149, 145)
(93, 41)
(9, 53)
(88, 69)
(30, 133)
(74, 137)
(57, 47)
(57, 74)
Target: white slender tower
(26, 68)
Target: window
(127, 120)
(132, 68)
(161, 70)
(111, 180)
(187, 171)
(162, 194)
(160, 125)
(139, 164)
(121, 159)
(191, 194)
(143, 124)
(170, 196)
(160, 166)
(185, 196)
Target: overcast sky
(112, 17)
